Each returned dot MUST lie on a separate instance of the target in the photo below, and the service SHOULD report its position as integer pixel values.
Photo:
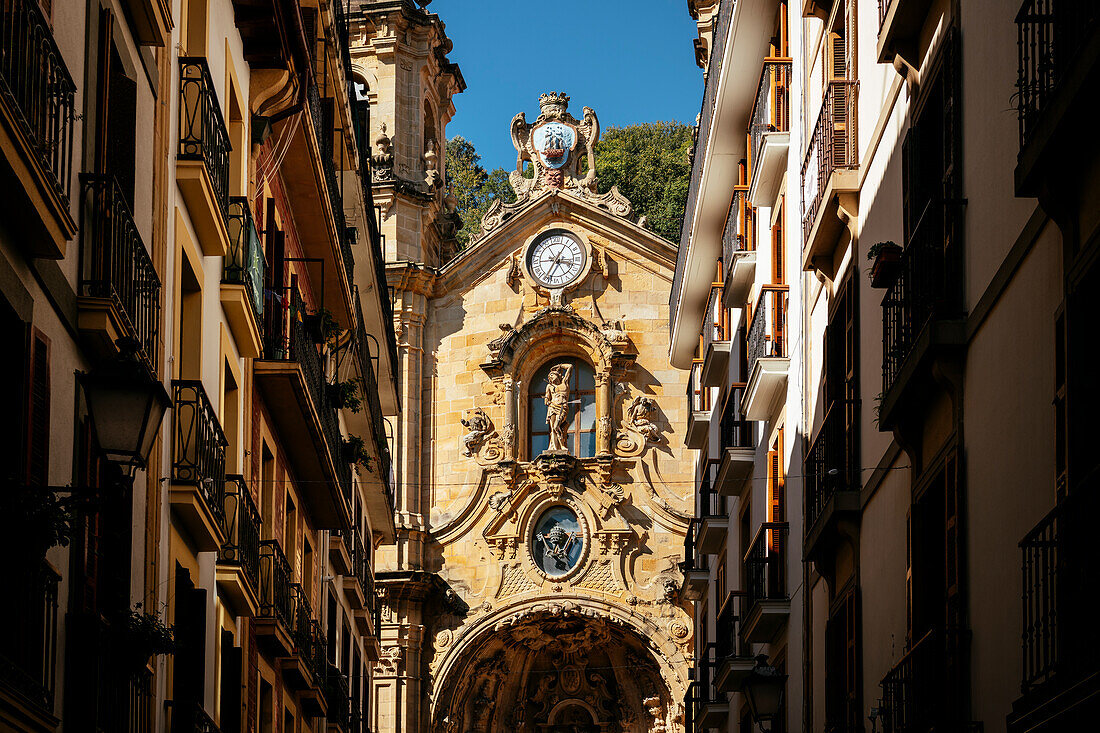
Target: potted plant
(45, 520)
(321, 326)
(886, 258)
(144, 635)
(355, 453)
(345, 395)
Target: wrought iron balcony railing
(198, 446)
(28, 641)
(728, 642)
(35, 82)
(1050, 34)
(244, 262)
(1041, 562)
(736, 235)
(203, 135)
(285, 339)
(276, 591)
(771, 112)
(766, 565)
(323, 125)
(242, 546)
(698, 395)
(370, 397)
(192, 718)
(338, 698)
(922, 691)
(709, 502)
(114, 262)
(734, 429)
(831, 464)
(926, 286)
(716, 323)
(767, 336)
(693, 562)
(834, 145)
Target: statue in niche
(641, 407)
(557, 406)
(479, 426)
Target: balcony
(899, 26)
(238, 570)
(921, 311)
(738, 253)
(711, 513)
(243, 271)
(377, 506)
(338, 717)
(767, 603)
(706, 707)
(698, 426)
(202, 158)
(304, 669)
(355, 585)
(192, 718)
(769, 132)
(276, 615)
(291, 379)
(717, 333)
(694, 567)
(198, 466)
(738, 447)
(28, 646)
(832, 483)
(830, 176)
(766, 349)
(36, 130)
(367, 618)
(925, 690)
(1059, 60)
(119, 288)
(733, 656)
(1060, 681)
(340, 548)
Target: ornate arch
(483, 659)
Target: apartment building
(194, 288)
(939, 241)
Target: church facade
(543, 490)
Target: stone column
(510, 428)
(603, 410)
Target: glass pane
(587, 413)
(539, 443)
(557, 542)
(538, 413)
(586, 378)
(569, 443)
(588, 445)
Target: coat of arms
(552, 146)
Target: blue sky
(629, 60)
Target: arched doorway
(555, 671)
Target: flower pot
(886, 266)
(313, 328)
(336, 396)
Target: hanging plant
(144, 635)
(345, 395)
(355, 453)
(45, 520)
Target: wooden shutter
(778, 248)
(836, 57)
(776, 481)
(38, 411)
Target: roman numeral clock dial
(556, 259)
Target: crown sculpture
(554, 145)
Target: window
(581, 410)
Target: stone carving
(431, 165)
(444, 638)
(678, 629)
(388, 663)
(557, 405)
(514, 581)
(600, 577)
(549, 144)
(506, 330)
(382, 170)
(499, 500)
(479, 426)
(641, 407)
(614, 332)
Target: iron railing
(276, 594)
(242, 545)
(323, 126)
(728, 643)
(338, 699)
(734, 430)
(285, 339)
(767, 336)
(926, 287)
(709, 503)
(203, 135)
(192, 718)
(766, 565)
(245, 263)
(1050, 34)
(28, 643)
(716, 320)
(1040, 549)
(831, 463)
(198, 455)
(114, 262)
(834, 145)
(370, 397)
(698, 395)
(735, 236)
(703, 692)
(772, 110)
(923, 691)
(692, 561)
(35, 83)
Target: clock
(556, 259)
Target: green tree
(649, 163)
(473, 186)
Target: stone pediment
(553, 207)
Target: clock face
(556, 259)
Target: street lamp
(764, 689)
(126, 404)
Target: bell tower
(399, 58)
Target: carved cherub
(479, 427)
(641, 407)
